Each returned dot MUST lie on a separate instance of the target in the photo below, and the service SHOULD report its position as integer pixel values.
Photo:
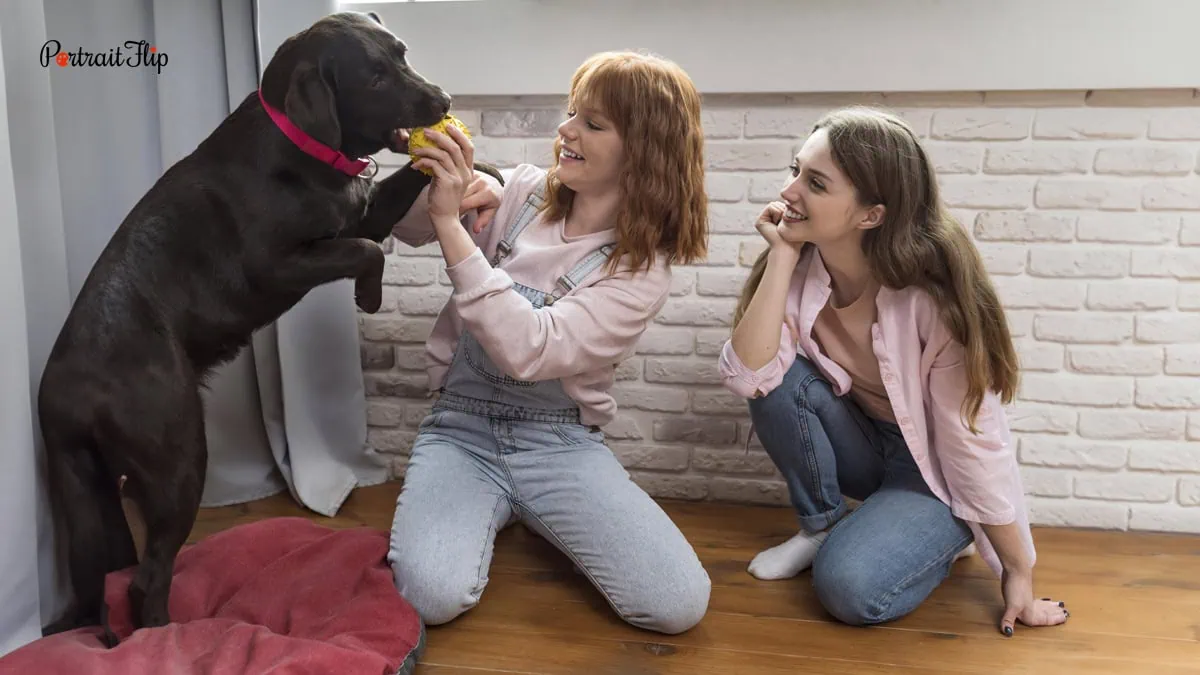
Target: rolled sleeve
(747, 383)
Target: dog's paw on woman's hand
(483, 195)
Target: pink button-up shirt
(924, 373)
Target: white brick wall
(1086, 207)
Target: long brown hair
(656, 110)
(918, 244)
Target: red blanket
(283, 596)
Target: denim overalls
(475, 385)
(496, 450)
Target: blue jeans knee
(803, 387)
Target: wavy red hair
(656, 110)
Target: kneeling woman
(876, 356)
(546, 303)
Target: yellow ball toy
(418, 139)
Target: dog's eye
(378, 75)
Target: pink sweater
(977, 476)
(580, 339)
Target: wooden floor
(1134, 601)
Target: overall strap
(525, 216)
(580, 271)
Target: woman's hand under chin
(771, 227)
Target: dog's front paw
(368, 299)
(368, 286)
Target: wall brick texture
(1086, 207)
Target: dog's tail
(93, 534)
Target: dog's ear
(311, 105)
(375, 16)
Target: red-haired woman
(546, 302)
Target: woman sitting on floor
(545, 303)
(876, 356)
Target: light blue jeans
(496, 450)
(471, 475)
(880, 562)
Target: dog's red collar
(312, 146)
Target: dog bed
(283, 596)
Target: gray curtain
(19, 610)
(307, 365)
(82, 145)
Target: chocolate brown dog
(266, 208)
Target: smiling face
(633, 138)
(590, 151)
(823, 205)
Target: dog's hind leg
(88, 515)
(168, 495)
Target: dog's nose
(444, 101)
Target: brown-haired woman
(546, 302)
(876, 357)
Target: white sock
(795, 555)
(789, 558)
(968, 551)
